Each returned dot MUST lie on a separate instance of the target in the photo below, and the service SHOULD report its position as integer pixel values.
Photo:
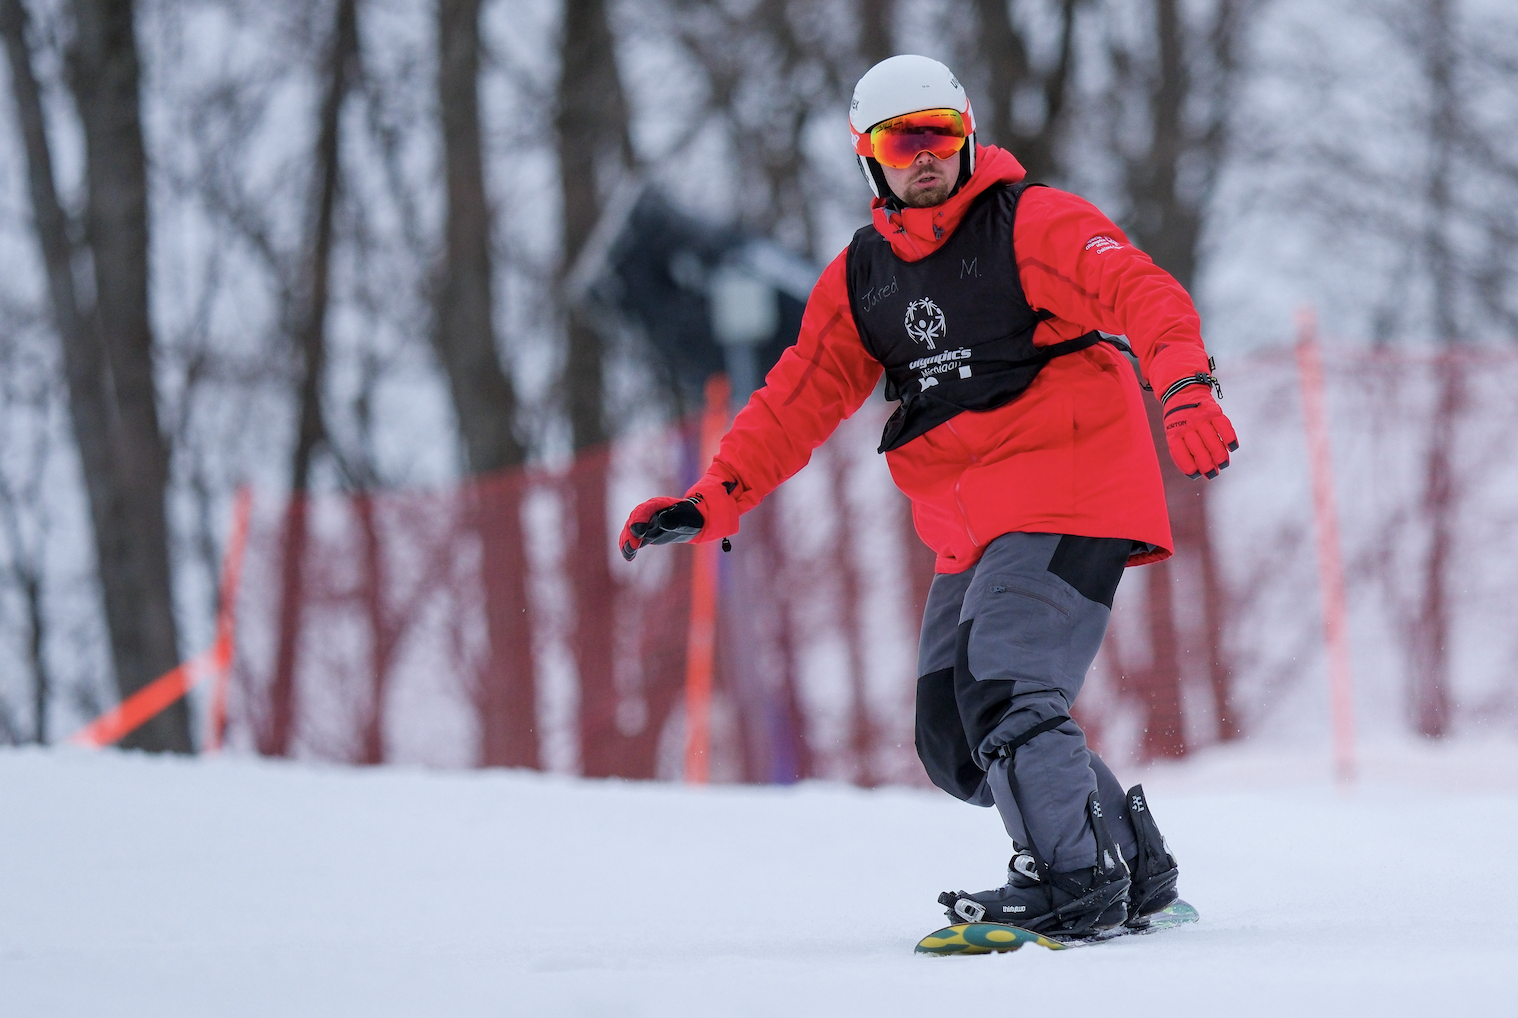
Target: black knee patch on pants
(1092, 565)
(1037, 605)
(982, 703)
(941, 742)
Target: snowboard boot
(1076, 903)
(1153, 869)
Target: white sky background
(1324, 70)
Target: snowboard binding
(1153, 870)
(1073, 904)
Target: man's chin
(927, 197)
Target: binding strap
(1037, 730)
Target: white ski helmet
(897, 86)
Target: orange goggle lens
(896, 142)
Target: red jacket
(1071, 455)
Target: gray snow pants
(1005, 649)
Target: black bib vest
(953, 330)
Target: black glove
(662, 520)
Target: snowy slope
(136, 886)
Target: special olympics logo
(925, 322)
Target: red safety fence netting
(496, 624)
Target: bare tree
(464, 337)
(770, 67)
(1433, 38)
(1469, 186)
(876, 31)
(594, 149)
(1027, 101)
(484, 398)
(1170, 107)
(104, 69)
(1434, 217)
(108, 343)
(339, 72)
(28, 394)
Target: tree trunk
(1167, 231)
(1004, 53)
(506, 699)
(134, 553)
(1216, 611)
(593, 141)
(1159, 685)
(601, 741)
(846, 569)
(483, 397)
(1430, 635)
(1167, 222)
(42, 683)
(1430, 632)
(384, 630)
(484, 400)
(311, 350)
(82, 357)
(876, 34)
(757, 651)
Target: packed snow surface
(139, 886)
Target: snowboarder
(993, 309)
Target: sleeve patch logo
(1101, 244)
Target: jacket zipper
(964, 517)
(959, 502)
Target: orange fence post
(226, 619)
(701, 643)
(137, 709)
(1341, 695)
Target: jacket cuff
(718, 507)
(1181, 384)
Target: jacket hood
(916, 233)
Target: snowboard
(991, 938)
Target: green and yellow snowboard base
(991, 938)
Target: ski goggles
(897, 142)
